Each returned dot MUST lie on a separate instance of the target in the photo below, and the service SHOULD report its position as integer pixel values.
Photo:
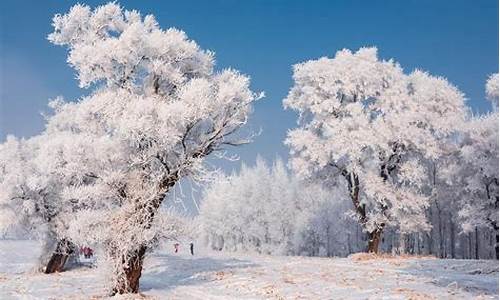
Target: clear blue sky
(263, 38)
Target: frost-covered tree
(492, 90)
(157, 98)
(457, 183)
(29, 199)
(478, 169)
(266, 210)
(18, 196)
(367, 125)
(40, 180)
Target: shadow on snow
(458, 274)
(169, 271)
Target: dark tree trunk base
(374, 241)
(56, 263)
(133, 274)
(58, 259)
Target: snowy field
(238, 276)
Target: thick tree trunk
(374, 240)
(132, 263)
(58, 259)
(133, 271)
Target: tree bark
(58, 259)
(374, 240)
(133, 272)
(134, 260)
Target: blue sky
(262, 38)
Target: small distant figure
(176, 247)
(87, 252)
(191, 248)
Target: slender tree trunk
(441, 235)
(357, 238)
(464, 247)
(349, 244)
(430, 234)
(58, 259)
(374, 240)
(392, 243)
(328, 251)
(445, 237)
(452, 238)
(490, 239)
(418, 243)
(493, 223)
(469, 237)
(496, 245)
(477, 242)
(495, 228)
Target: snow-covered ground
(243, 276)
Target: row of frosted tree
(99, 173)
(420, 171)
(266, 210)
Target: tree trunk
(131, 265)
(430, 235)
(477, 243)
(463, 246)
(496, 244)
(452, 239)
(328, 251)
(349, 251)
(58, 259)
(374, 240)
(469, 237)
(418, 244)
(440, 232)
(133, 271)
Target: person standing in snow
(191, 248)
